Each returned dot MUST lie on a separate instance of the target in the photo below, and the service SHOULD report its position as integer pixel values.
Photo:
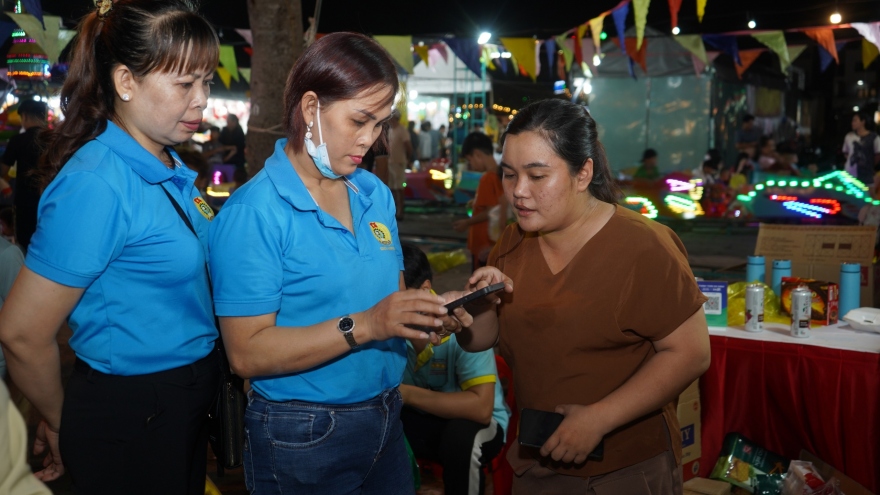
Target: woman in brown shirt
(605, 325)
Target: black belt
(174, 374)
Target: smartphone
(536, 427)
(485, 291)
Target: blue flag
(468, 51)
(619, 16)
(34, 8)
(725, 43)
(825, 58)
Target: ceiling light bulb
(835, 18)
(484, 38)
(675, 30)
(752, 24)
(597, 60)
(860, 82)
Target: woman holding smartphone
(606, 325)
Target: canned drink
(755, 308)
(801, 307)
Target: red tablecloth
(787, 396)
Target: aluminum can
(801, 309)
(755, 308)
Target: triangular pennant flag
(674, 7)
(503, 62)
(640, 9)
(578, 52)
(711, 56)
(632, 70)
(52, 39)
(638, 55)
(227, 60)
(699, 66)
(748, 57)
(245, 73)
(6, 29)
(550, 48)
(34, 8)
(725, 43)
(523, 49)
(486, 58)
(596, 26)
(434, 57)
(564, 43)
(560, 66)
(694, 44)
(825, 57)
(422, 52)
(701, 9)
(581, 31)
(225, 76)
(794, 51)
(249, 50)
(400, 49)
(869, 53)
(468, 51)
(247, 34)
(870, 31)
(775, 40)
(619, 16)
(440, 47)
(825, 38)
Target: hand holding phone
(473, 296)
(536, 427)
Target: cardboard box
(825, 299)
(848, 485)
(716, 307)
(817, 251)
(689, 422)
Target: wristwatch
(346, 326)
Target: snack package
(736, 305)
(741, 461)
(825, 299)
(803, 479)
(769, 484)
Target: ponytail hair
(144, 35)
(572, 133)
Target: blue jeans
(300, 447)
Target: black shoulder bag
(226, 415)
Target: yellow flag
(701, 9)
(640, 7)
(795, 51)
(596, 26)
(400, 49)
(869, 53)
(225, 76)
(581, 31)
(227, 60)
(694, 44)
(523, 49)
(422, 52)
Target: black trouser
(144, 434)
(461, 446)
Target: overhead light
(505, 54)
(860, 82)
(835, 18)
(856, 108)
(752, 24)
(413, 94)
(484, 38)
(496, 55)
(597, 60)
(675, 30)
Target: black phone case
(535, 427)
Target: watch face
(346, 324)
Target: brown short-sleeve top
(576, 336)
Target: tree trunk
(276, 26)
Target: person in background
(453, 406)
(414, 141)
(426, 145)
(742, 172)
(444, 148)
(114, 258)
(400, 149)
(862, 150)
(870, 213)
(23, 151)
(708, 170)
(214, 151)
(16, 477)
(748, 135)
(648, 169)
(477, 149)
(626, 333)
(771, 162)
(232, 135)
(11, 261)
(308, 286)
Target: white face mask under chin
(321, 157)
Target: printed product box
(825, 299)
(716, 307)
(689, 422)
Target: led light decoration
(683, 206)
(805, 209)
(777, 197)
(696, 193)
(832, 204)
(647, 207)
(679, 185)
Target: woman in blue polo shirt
(308, 286)
(112, 254)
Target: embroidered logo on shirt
(381, 233)
(204, 208)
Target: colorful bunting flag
(225, 76)
(247, 34)
(825, 57)
(486, 58)
(694, 44)
(52, 39)
(34, 8)
(581, 31)
(578, 52)
(245, 73)
(869, 53)
(440, 47)
(400, 49)
(870, 31)
(523, 49)
(699, 66)
(227, 59)
(794, 51)
(724, 42)
(596, 27)
(468, 51)
(619, 15)
(422, 52)
(550, 47)
(434, 57)
(640, 9)
(638, 55)
(701, 9)
(564, 43)
(775, 40)
(825, 38)
(674, 7)
(747, 57)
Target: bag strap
(180, 212)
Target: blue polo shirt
(273, 251)
(449, 368)
(106, 226)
